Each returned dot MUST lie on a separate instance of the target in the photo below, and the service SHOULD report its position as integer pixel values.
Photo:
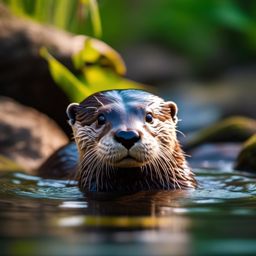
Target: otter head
(123, 135)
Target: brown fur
(158, 162)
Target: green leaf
(105, 79)
(92, 5)
(96, 51)
(75, 89)
(102, 73)
(95, 16)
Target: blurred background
(198, 53)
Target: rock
(24, 74)
(27, 136)
(246, 160)
(233, 129)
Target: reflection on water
(39, 216)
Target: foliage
(194, 26)
(99, 67)
(198, 29)
(70, 15)
(204, 29)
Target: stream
(52, 217)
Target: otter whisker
(163, 168)
(99, 101)
(86, 165)
(180, 132)
(156, 158)
(158, 172)
(172, 166)
(165, 156)
(167, 168)
(102, 171)
(92, 108)
(92, 174)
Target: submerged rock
(27, 137)
(233, 129)
(246, 159)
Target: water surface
(52, 217)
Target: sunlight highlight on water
(221, 211)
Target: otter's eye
(101, 119)
(149, 118)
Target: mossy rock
(246, 160)
(233, 129)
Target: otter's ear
(173, 110)
(71, 112)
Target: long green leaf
(96, 51)
(62, 13)
(95, 16)
(75, 89)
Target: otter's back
(61, 165)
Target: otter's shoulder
(62, 164)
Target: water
(52, 217)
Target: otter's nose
(127, 138)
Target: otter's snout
(127, 138)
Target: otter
(125, 141)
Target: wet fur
(164, 166)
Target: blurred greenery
(91, 78)
(198, 29)
(201, 31)
(70, 15)
(98, 66)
